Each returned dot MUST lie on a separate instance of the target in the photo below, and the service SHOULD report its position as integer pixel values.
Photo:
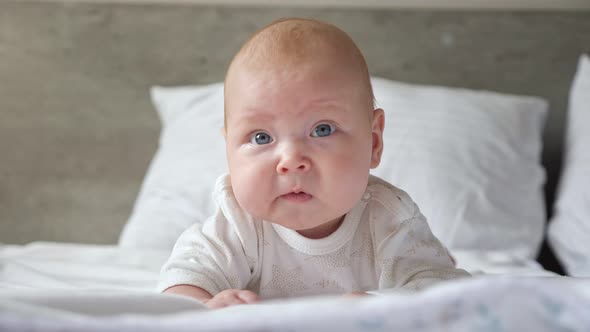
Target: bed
(99, 101)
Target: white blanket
(69, 287)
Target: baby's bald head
(288, 43)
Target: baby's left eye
(323, 130)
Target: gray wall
(77, 130)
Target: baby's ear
(377, 128)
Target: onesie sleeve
(408, 254)
(213, 257)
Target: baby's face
(300, 143)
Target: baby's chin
(295, 214)
(286, 220)
(304, 223)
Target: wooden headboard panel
(77, 130)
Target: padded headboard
(77, 130)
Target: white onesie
(383, 243)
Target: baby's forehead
(298, 102)
(288, 45)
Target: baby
(299, 213)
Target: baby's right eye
(260, 138)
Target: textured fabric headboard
(77, 130)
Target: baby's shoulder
(386, 199)
(229, 211)
(223, 188)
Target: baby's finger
(225, 301)
(248, 296)
(234, 299)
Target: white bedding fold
(484, 303)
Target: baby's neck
(323, 230)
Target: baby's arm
(413, 258)
(211, 264)
(191, 291)
(222, 299)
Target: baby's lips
(297, 197)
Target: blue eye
(260, 138)
(323, 130)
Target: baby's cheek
(249, 192)
(351, 181)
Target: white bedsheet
(51, 265)
(69, 287)
(48, 265)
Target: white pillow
(471, 161)
(469, 158)
(177, 188)
(569, 230)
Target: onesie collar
(328, 244)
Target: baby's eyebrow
(256, 114)
(330, 103)
(245, 119)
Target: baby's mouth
(297, 197)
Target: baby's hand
(230, 297)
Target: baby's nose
(302, 167)
(293, 162)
